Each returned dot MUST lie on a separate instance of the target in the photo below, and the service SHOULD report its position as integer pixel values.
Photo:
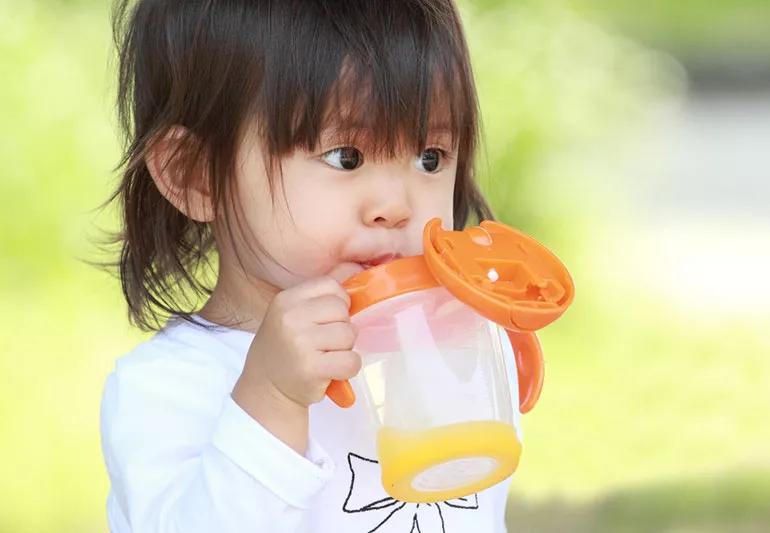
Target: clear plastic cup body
(438, 381)
(429, 361)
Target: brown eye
(345, 158)
(430, 160)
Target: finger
(342, 364)
(343, 271)
(313, 288)
(334, 336)
(326, 309)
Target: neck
(238, 301)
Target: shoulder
(183, 345)
(167, 393)
(182, 359)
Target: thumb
(343, 271)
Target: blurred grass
(653, 413)
(734, 502)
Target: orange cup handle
(341, 393)
(529, 366)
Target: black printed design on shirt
(366, 495)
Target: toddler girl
(283, 145)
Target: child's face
(341, 206)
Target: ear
(190, 194)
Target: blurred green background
(632, 138)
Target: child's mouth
(377, 261)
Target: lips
(377, 261)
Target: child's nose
(390, 216)
(390, 207)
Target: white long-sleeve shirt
(183, 457)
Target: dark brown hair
(215, 67)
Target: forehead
(357, 110)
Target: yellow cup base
(409, 459)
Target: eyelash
(444, 155)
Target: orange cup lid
(501, 273)
(505, 275)
(386, 281)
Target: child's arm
(304, 341)
(182, 459)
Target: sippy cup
(446, 339)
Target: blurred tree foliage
(689, 27)
(680, 26)
(553, 86)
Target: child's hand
(305, 340)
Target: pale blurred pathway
(701, 187)
(715, 158)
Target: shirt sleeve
(182, 456)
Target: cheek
(436, 199)
(316, 224)
(431, 200)
(319, 209)
(448, 191)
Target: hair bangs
(383, 84)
